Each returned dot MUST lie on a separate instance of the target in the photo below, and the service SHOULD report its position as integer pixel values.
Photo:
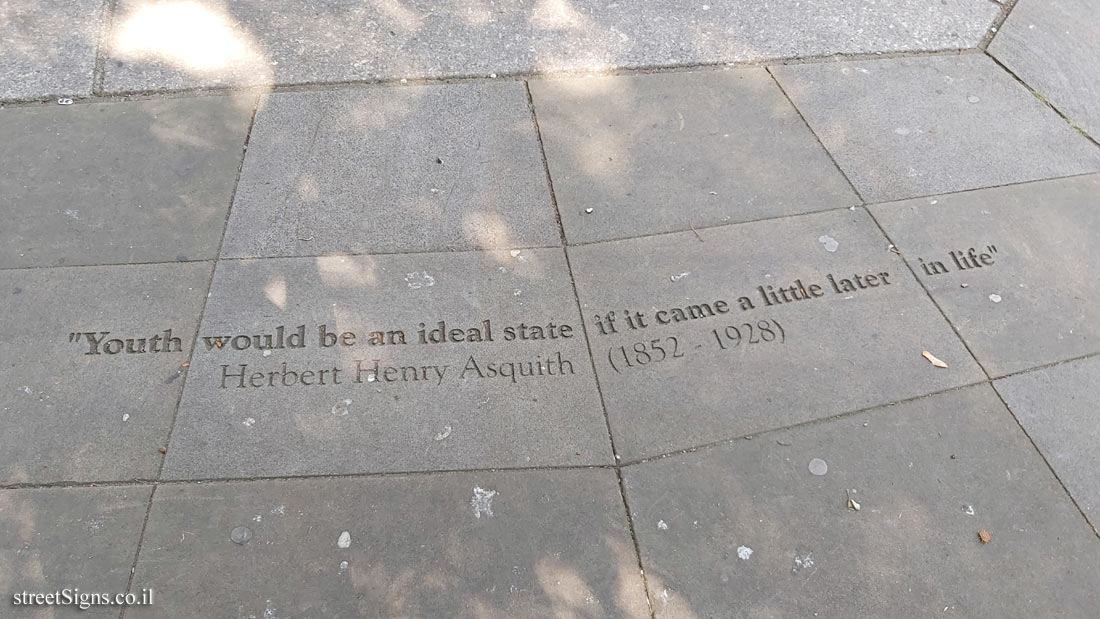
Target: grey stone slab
(795, 361)
(69, 542)
(927, 475)
(666, 152)
(222, 42)
(907, 127)
(392, 169)
(73, 416)
(492, 544)
(1057, 408)
(48, 47)
(1036, 301)
(1053, 46)
(135, 181)
(459, 404)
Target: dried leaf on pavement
(933, 360)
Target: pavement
(565, 308)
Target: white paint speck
(803, 562)
(744, 552)
(279, 509)
(482, 502)
(343, 566)
(662, 525)
(819, 467)
(258, 518)
(126, 416)
(996, 298)
(269, 612)
(419, 279)
(341, 408)
(267, 353)
(677, 278)
(973, 99)
(344, 541)
(248, 422)
(444, 434)
(72, 213)
(968, 510)
(829, 243)
(27, 390)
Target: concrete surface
(230, 167)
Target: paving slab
(48, 47)
(748, 530)
(492, 544)
(1053, 46)
(76, 404)
(1057, 408)
(907, 127)
(501, 379)
(1013, 268)
(232, 42)
(392, 169)
(135, 181)
(74, 543)
(641, 154)
(845, 329)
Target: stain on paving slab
(493, 544)
(641, 154)
(1013, 268)
(131, 181)
(79, 542)
(392, 169)
(1057, 408)
(927, 476)
(907, 127)
(91, 367)
(757, 326)
(389, 363)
